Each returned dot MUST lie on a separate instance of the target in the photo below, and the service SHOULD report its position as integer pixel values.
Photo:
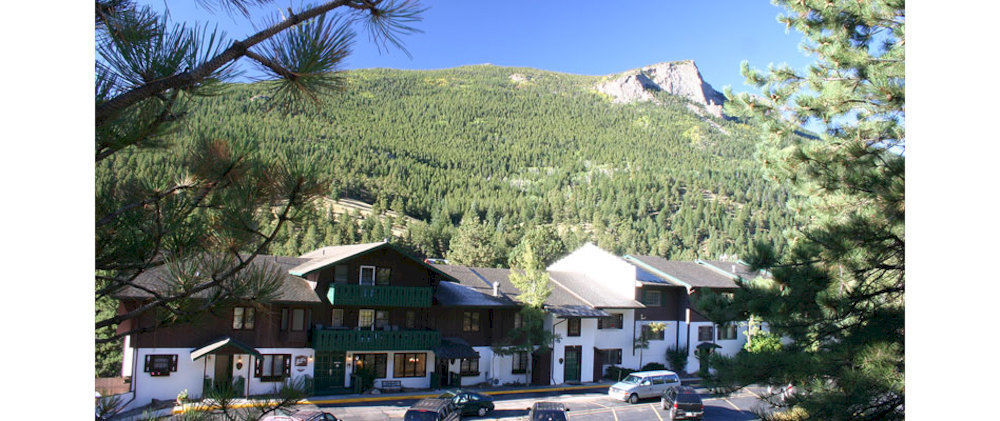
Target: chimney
(496, 289)
(734, 268)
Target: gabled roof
(591, 291)
(329, 255)
(682, 273)
(453, 294)
(292, 288)
(224, 344)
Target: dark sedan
(470, 403)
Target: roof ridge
(553, 280)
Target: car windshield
(632, 379)
(420, 416)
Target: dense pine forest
(478, 157)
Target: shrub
(617, 373)
(653, 366)
(677, 359)
(762, 342)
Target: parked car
(644, 384)
(547, 411)
(470, 403)
(432, 410)
(683, 402)
(307, 415)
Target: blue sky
(582, 37)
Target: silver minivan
(644, 384)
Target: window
(470, 321)
(160, 364)
(367, 275)
(340, 274)
(381, 319)
(727, 332)
(612, 322)
(411, 319)
(652, 297)
(573, 326)
(337, 319)
(612, 356)
(649, 333)
(376, 362)
(705, 333)
(242, 318)
(298, 319)
(520, 364)
(518, 321)
(470, 367)
(284, 319)
(658, 379)
(410, 365)
(273, 367)
(366, 317)
(382, 276)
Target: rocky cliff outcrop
(679, 78)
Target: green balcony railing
(379, 295)
(375, 340)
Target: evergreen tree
(474, 243)
(837, 293)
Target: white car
(644, 384)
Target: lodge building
(340, 309)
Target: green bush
(762, 342)
(653, 366)
(677, 359)
(617, 373)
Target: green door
(572, 365)
(329, 372)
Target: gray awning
(576, 311)
(224, 345)
(455, 348)
(708, 345)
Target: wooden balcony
(375, 340)
(379, 295)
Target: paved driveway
(584, 406)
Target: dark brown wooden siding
(493, 324)
(404, 271)
(265, 333)
(671, 307)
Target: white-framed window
(337, 319)
(242, 318)
(470, 367)
(366, 275)
(366, 317)
(727, 332)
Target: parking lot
(588, 405)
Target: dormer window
(340, 274)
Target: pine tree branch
(238, 49)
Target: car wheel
(672, 414)
(482, 412)
(634, 399)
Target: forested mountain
(507, 150)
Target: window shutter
(288, 365)
(258, 367)
(173, 362)
(145, 368)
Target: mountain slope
(524, 147)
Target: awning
(454, 348)
(224, 345)
(708, 345)
(576, 311)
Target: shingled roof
(292, 289)
(683, 273)
(561, 302)
(329, 255)
(734, 268)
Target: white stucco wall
(586, 342)
(407, 382)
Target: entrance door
(223, 370)
(443, 372)
(329, 371)
(571, 366)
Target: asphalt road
(584, 405)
